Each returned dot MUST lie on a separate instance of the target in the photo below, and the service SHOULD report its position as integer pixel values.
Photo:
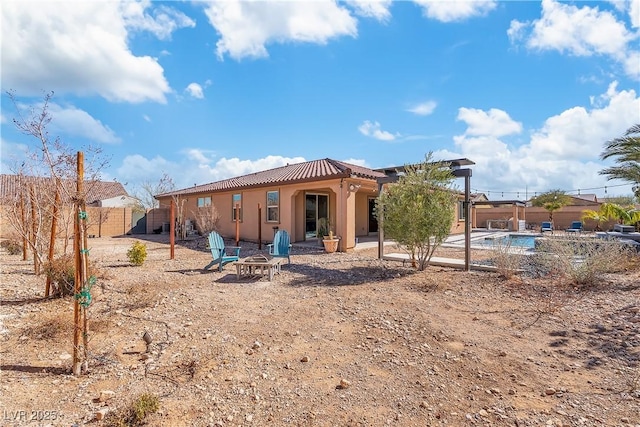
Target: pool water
(512, 240)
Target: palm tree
(626, 151)
(551, 201)
(599, 217)
(623, 214)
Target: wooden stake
(34, 230)
(77, 322)
(172, 229)
(24, 228)
(52, 239)
(259, 226)
(237, 209)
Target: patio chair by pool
(281, 246)
(575, 227)
(546, 226)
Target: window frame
(233, 206)
(204, 203)
(461, 211)
(274, 207)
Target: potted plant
(329, 240)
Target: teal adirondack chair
(219, 251)
(281, 246)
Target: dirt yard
(334, 340)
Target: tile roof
(315, 170)
(11, 185)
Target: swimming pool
(523, 241)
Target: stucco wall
(102, 222)
(534, 216)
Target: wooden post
(172, 229)
(52, 239)
(34, 230)
(237, 211)
(24, 228)
(259, 226)
(77, 285)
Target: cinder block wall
(534, 216)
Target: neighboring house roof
(315, 170)
(478, 197)
(588, 197)
(11, 185)
(584, 199)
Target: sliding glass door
(316, 207)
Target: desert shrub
(137, 254)
(507, 259)
(206, 218)
(580, 261)
(135, 413)
(61, 271)
(49, 328)
(12, 246)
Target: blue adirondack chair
(219, 251)
(281, 246)
(546, 226)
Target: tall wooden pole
(77, 285)
(237, 209)
(52, 239)
(259, 226)
(172, 229)
(24, 228)
(34, 230)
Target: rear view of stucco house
(297, 198)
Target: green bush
(136, 413)
(137, 254)
(12, 246)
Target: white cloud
(563, 153)
(12, 155)
(73, 121)
(634, 13)
(358, 162)
(162, 21)
(195, 90)
(245, 28)
(495, 123)
(451, 11)
(580, 31)
(196, 167)
(146, 118)
(424, 108)
(373, 130)
(377, 9)
(82, 48)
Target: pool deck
(455, 241)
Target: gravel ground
(334, 340)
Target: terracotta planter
(330, 245)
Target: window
(461, 211)
(273, 206)
(204, 201)
(236, 200)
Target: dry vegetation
(334, 340)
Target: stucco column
(341, 215)
(515, 217)
(350, 216)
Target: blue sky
(204, 91)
